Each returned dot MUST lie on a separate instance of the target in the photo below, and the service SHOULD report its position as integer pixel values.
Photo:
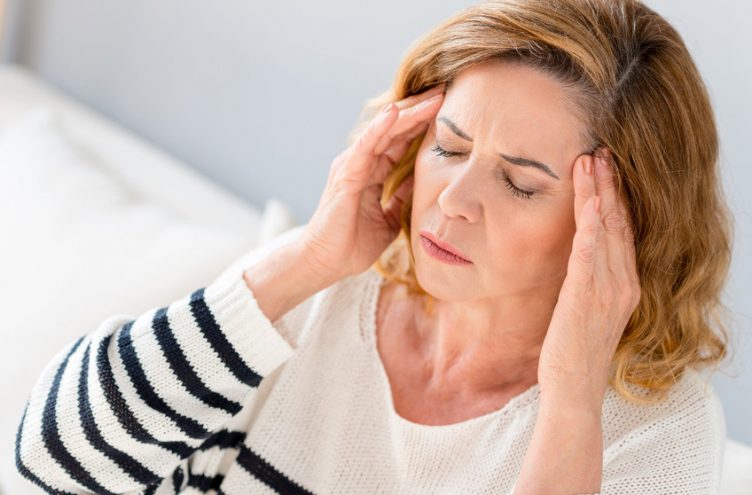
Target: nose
(460, 197)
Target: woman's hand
(598, 296)
(349, 229)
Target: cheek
(423, 161)
(531, 246)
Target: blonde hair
(647, 104)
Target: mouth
(441, 250)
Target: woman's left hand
(598, 296)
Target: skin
(495, 315)
(481, 346)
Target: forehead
(515, 105)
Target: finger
(414, 100)
(389, 158)
(603, 274)
(581, 265)
(419, 97)
(628, 225)
(401, 143)
(611, 214)
(393, 208)
(361, 161)
(628, 235)
(410, 118)
(631, 251)
(584, 184)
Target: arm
(275, 289)
(122, 408)
(598, 297)
(674, 446)
(568, 441)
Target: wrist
(581, 395)
(307, 263)
(566, 449)
(576, 407)
(282, 280)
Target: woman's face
(515, 223)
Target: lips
(443, 245)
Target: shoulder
(690, 403)
(679, 439)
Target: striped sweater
(206, 395)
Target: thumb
(393, 209)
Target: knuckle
(360, 143)
(591, 230)
(626, 217)
(613, 221)
(629, 232)
(339, 162)
(585, 254)
(342, 188)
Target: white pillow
(76, 247)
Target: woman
(508, 286)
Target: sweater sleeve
(122, 408)
(680, 451)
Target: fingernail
(588, 164)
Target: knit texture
(206, 395)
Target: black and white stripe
(145, 389)
(182, 368)
(122, 410)
(219, 342)
(127, 463)
(134, 400)
(54, 443)
(260, 469)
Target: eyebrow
(515, 160)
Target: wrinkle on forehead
(535, 121)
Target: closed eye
(442, 152)
(516, 191)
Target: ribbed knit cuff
(246, 327)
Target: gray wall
(260, 96)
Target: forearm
(191, 367)
(565, 456)
(282, 280)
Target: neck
(482, 346)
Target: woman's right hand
(349, 229)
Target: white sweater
(206, 395)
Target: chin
(443, 281)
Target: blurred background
(220, 119)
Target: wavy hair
(645, 101)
